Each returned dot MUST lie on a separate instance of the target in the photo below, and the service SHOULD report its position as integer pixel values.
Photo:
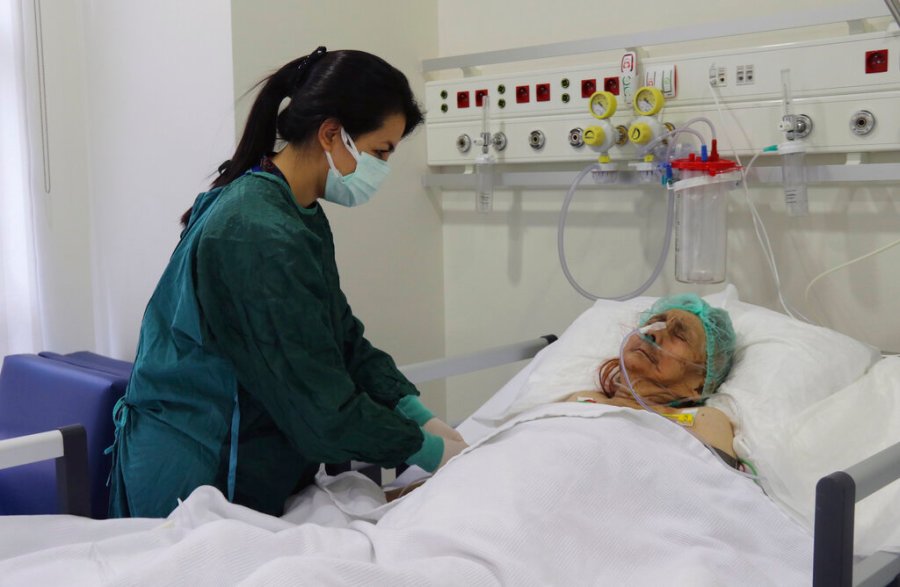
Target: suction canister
(701, 204)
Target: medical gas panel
(847, 87)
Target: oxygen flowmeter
(648, 101)
(645, 128)
(602, 135)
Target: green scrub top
(248, 331)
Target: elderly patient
(675, 368)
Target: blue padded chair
(47, 391)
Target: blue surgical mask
(355, 188)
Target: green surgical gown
(250, 310)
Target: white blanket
(568, 494)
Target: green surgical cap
(720, 338)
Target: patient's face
(673, 359)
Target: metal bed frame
(836, 494)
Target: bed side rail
(836, 497)
(469, 363)
(68, 445)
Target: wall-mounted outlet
(611, 85)
(542, 92)
(588, 87)
(718, 75)
(877, 61)
(523, 94)
(744, 75)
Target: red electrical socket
(523, 94)
(877, 61)
(479, 97)
(462, 99)
(611, 85)
(542, 92)
(588, 87)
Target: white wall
(140, 112)
(502, 277)
(388, 251)
(160, 111)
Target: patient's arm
(714, 427)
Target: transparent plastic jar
(701, 206)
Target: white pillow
(782, 366)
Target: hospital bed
(836, 496)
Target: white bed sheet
(806, 401)
(567, 494)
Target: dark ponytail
(357, 88)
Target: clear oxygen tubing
(762, 236)
(672, 133)
(561, 247)
(692, 121)
(847, 264)
(656, 326)
(758, 226)
(703, 119)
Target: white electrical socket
(717, 76)
(744, 75)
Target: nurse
(251, 369)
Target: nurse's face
(672, 359)
(379, 143)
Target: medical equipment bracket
(816, 174)
(819, 16)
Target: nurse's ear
(329, 134)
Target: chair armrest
(68, 446)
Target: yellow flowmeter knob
(648, 101)
(594, 136)
(602, 105)
(640, 133)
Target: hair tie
(304, 64)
